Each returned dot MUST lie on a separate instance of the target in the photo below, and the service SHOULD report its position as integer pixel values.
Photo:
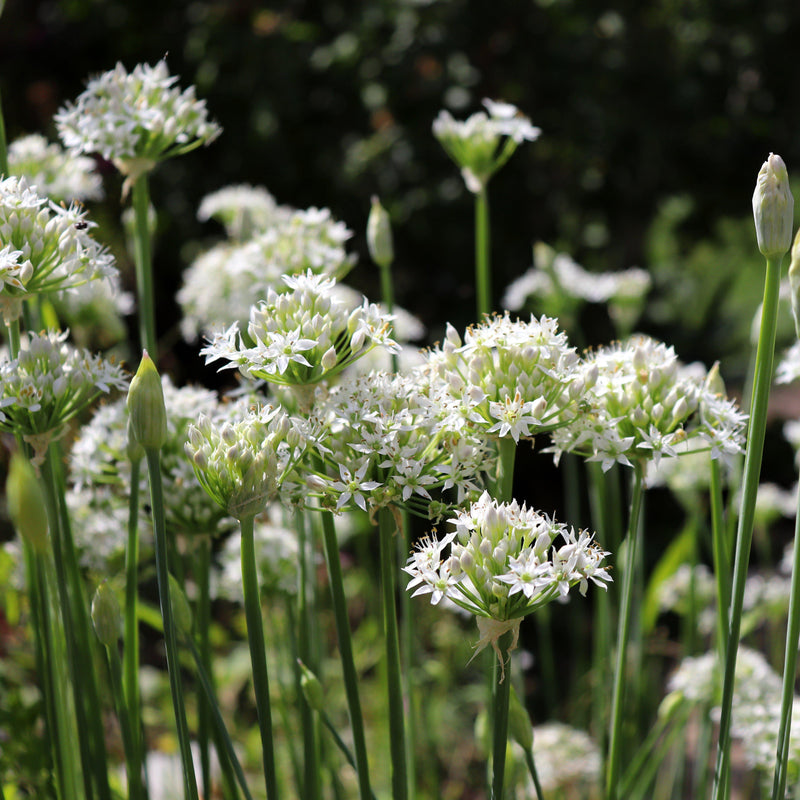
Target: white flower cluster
(509, 378)
(135, 119)
(47, 247)
(301, 337)
(59, 175)
(567, 760)
(383, 443)
(48, 384)
(481, 144)
(221, 284)
(788, 369)
(505, 561)
(557, 281)
(756, 709)
(645, 404)
(245, 461)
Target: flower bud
(379, 235)
(134, 450)
(773, 208)
(312, 688)
(146, 407)
(794, 282)
(519, 723)
(106, 615)
(26, 505)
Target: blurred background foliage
(656, 118)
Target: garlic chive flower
(502, 562)
(136, 119)
(51, 245)
(568, 761)
(60, 175)
(243, 210)
(47, 385)
(485, 141)
(242, 462)
(510, 378)
(303, 336)
(385, 442)
(645, 404)
(221, 284)
(773, 208)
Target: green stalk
(346, 652)
(12, 329)
(203, 616)
(744, 534)
(500, 699)
(312, 786)
(130, 666)
(531, 764)
(170, 631)
(144, 267)
(394, 679)
(129, 739)
(789, 670)
(623, 635)
(225, 748)
(340, 743)
(722, 558)
(483, 278)
(504, 483)
(258, 655)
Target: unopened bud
(379, 235)
(312, 688)
(181, 610)
(26, 505)
(134, 450)
(148, 414)
(519, 723)
(794, 282)
(773, 208)
(106, 615)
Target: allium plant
(60, 175)
(46, 247)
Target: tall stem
(397, 739)
(722, 559)
(500, 699)
(504, 484)
(623, 634)
(483, 277)
(144, 267)
(258, 655)
(789, 670)
(744, 534)
(170, 632)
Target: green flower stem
(744, 534)
(129, 739)
(225, 748)
(531, 764)
(410, 649)
(386, 525)
(623, 635)
(170, 631)
(340, 743)
(312, 775)
(504, 483)
(75, 616)
(500, 699)
(144, 266)
(130, 664)
(343, 636)
(258, 655)
(789, 670)
(203, 618)
(722, 558)
(387, 295)
(483, 277)
(12, 329)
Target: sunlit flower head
(788, 369)
(481, 144)
(303, 336)
(502, 562)
(48, 384)
(509, 378)
(135, 119)
(244, 210)
(243, 461)
(60, 175)
(46, 247)
(567, 760)
(645, 404)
